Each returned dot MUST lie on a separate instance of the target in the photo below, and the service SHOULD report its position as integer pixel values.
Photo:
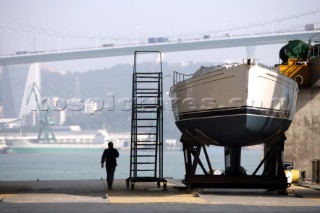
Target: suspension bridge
(300, 27)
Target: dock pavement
(92, 196)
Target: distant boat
(3, 146)
(70, 142)
(234, 104)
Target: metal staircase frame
(147, 150)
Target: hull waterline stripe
(235, 112)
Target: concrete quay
(92, 196)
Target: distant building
(8, 91)
(15, 83)
(92, 106)
(58, 111)
(31, 119)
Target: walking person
(109, 156)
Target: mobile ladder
(146, 153)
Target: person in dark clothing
(109, 156)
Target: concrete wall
(303, 137)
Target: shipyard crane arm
(45, 134)
(35, 91)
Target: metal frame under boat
(272, 177)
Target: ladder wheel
(158, 184)
(132, 186)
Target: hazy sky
(42, 25)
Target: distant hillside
(100, 84)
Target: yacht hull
(241, 105)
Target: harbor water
(81, 166)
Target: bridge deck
(199, 44)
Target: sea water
(81, 166)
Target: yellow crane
(301, 61)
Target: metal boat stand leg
(192, 160)
(232, 156)
(272, 177)
(274, 163)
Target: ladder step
(147, 77)
(145, 133)
(147, 89)
(144, 82)
(139, 116)
(143, 162)
(146, 144)
(146, 119)
(145, 126)
(147, 73)
(154, 91)
(150, 76)
(143, 156)
(150, 97)
(143, 148)
(141, 104)
(151, 93)
(150, 134)
(144, 111)
(147, 96)
(148, 93)
(146, 105)
(143, 170)
(141, 142)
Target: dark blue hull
(237, 127)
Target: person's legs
(110, 176)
